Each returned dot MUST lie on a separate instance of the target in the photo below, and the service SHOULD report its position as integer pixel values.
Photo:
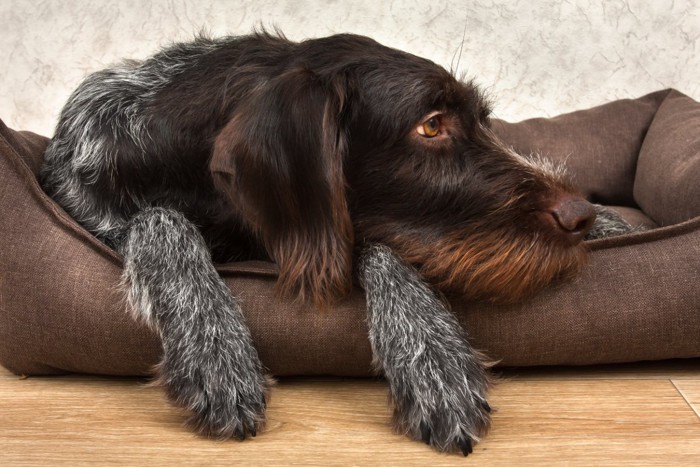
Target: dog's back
(141, 133)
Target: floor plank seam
(680, 391)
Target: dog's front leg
(209, 366)
(438, 382)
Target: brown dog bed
(638, 299)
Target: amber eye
(430, 127)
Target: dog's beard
(496, 267)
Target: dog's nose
(573, 216)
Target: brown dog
(310, 154)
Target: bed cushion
(638, 298)
(667, 181)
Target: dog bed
(638, 299)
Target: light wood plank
(594, 422)
(74, 420)
(690, 390)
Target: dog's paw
(449, 411)
(223, 398)
(438, 382)
(609, 223)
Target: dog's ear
(280, 162)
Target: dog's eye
(430, 127)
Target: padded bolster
(599, 146)
(667, 183)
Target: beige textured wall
(536, 58)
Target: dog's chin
(495, 269)
(515, 288)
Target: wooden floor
(630, 414)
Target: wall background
(535, 57)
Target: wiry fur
(210, 365)
(104, 118)
(437, 380)
(256, 147)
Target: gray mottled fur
(80, 151)
(438, 382)
(114, 98)
(210, 366)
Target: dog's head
(349, 142)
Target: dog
(339, 159)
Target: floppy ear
(280, 162)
